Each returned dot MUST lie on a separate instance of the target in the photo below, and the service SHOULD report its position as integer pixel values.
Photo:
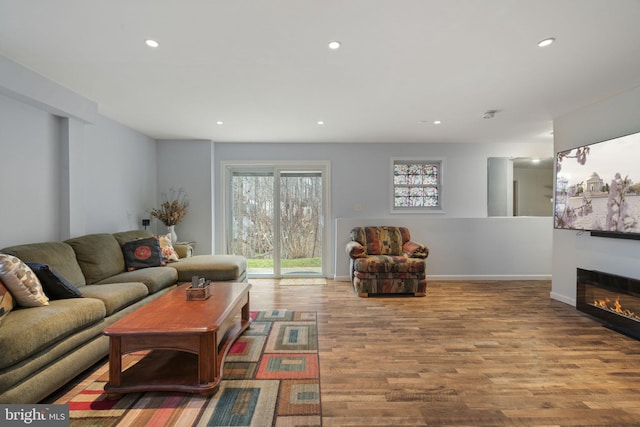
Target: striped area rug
(271, 378)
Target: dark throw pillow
(142, 253)
(54, 285)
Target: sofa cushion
(389, 264)
(155, 278)
(126, 236)
(27, 331)
(99, 256)
(21, 282)
(54, 284)
(211, 267)
(116, 296)
(142, 253)
(6, 301)
(183, 250)
(58, 255)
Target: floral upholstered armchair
(384, 260)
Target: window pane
(252, 218)
(416, 184)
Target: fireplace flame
(615, 307)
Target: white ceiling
(264, 69)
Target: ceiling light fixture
(334, 45)
(546, 42)
(489, 114)
(437, 122)
(151, 43)
(320, 122)
(219, 122)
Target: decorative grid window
(417, 185)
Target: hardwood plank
(478, 353)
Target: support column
(72, 199)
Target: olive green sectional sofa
(43, 348)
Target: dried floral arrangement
(173, 207)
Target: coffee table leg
(246, 315)
(115, 365)
(207, 359)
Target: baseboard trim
(447, 277)
(562, 298)
(444, 278)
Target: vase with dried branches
(172, 210)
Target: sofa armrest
(356, 250)
(183, 250)
(415, 250)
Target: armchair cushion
(389, 264)
(379, 240)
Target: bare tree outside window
(299, 210)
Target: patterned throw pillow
(6, 301)
(21, 282)
(168, 252)
(55, 286)
(142, 253)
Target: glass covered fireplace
(614, 300)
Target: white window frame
(440, 162)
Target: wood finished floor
(467, 354)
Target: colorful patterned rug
(271, 378)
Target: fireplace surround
(614, 300)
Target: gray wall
(613, 117)
(74, 172)
(535, 191)
(67, 170)
(472, 246)
(188, 164)
(29, 172)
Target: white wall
(66, 170)
(607, 119)
(361, 175)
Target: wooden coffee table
(188, 341)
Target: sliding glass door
(276, 218)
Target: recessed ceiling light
(152, 43)
(334, 45)
(437, 122)
(320, 122)
(219, 122)
(546, 42)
